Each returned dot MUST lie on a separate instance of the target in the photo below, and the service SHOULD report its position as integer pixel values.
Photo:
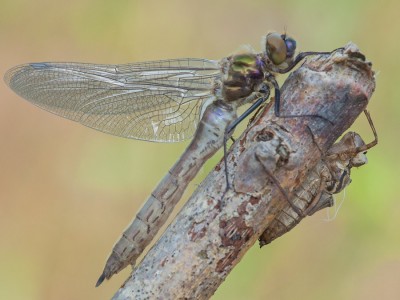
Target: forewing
(155, 101)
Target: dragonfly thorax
(243, 75)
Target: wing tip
(14, 71)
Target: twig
(215, 229)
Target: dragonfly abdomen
(154, 213)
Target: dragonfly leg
(371, 144)
(236, 122)
(284, 193)
(371, 124)
(303, 55)
(226, 163)
(352, 151)
(277, 103)
(243, 116)
(265, 90)
(272, 80)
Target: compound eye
(276, 48)
(290, 47)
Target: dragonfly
(161, 101)
(330, 176)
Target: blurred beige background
(67, 192)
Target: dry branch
(214, 229)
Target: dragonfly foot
(228, 186)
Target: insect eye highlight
(276, 48)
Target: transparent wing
(155, 101)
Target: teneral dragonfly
(330, 176)
(161, 101)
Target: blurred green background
(67, 192)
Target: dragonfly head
(279, 48)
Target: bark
(273, 156)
